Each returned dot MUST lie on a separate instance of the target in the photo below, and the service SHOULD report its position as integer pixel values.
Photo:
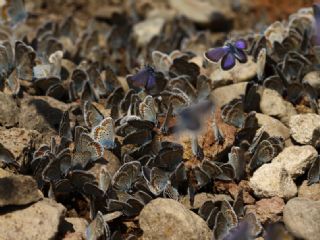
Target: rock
(146, 30)
(223, 95)
(311, 192)
(296, 159)
(276, 32)
(4, 173)
(73, 236)
(273, 104)
(240, 73)
(233, 189)
(74, 227)
(110, 161)
(169, 219)
(313, 78)
(18, 190)
(267, 210)
(218, 16)
(16, 140)
(36, 222)
(273, 126)
(301, 217)
(9, 111)
(201, 198)
(41, 113)
(302, 127)
(272, 180)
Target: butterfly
(87, 149)
(145, 78)
(147, 109)
(126, 175)
(104, 133)
(228, 54)
(91, 114)
(98, 228)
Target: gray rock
(296, 159)
(273, 104)
(302, 217)
(273, 126)
(18, 190)
(40, 221)
(146, 30)
(302, 127)
(41, 113)
(223, 95)
(311, 192)
(16, 140)
(240, 73)
(273, 180)
(9, 111)
(168, 219)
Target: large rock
(273, 104)
(273, 126)
(39, 221)
(217, 15)
(146, 30)
(41, 113)
(296, 159)
(223, 95)
(302, 127)
(168, 219)
(9, 111)
(313, 78)
(240, 73)
(74, 228)
(5, 173)
(272, 180)
(268, 210)
(311, 192)
(18, 190)
(302, 217)
(17, 140)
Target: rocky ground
(116, 122)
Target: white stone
(272, 180)
(302, 127)
(147, 29)
(296, 159)
(169, 219)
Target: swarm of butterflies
(132, 121)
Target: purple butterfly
(228, 53)
(145, 78)
(316, 13)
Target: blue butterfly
(228, 53)
(145, 78)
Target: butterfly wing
(241, 44)
(216, 54)
(105, 133)
(240, 55)
(228, 61)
